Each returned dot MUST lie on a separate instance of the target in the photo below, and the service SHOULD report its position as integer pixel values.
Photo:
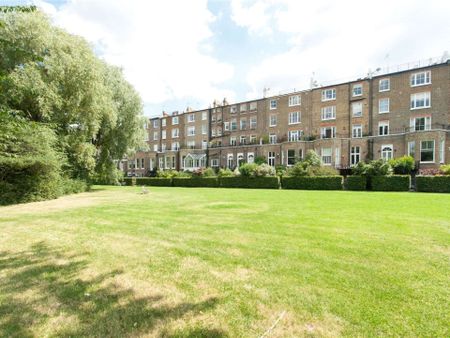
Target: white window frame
(293, 135)
(273, 119)
(175, 133)
(383, 124)
(355, 112)
(382, 105)
(325, 157)
(323, 132)
(233, 124)
(233, 141)
(175, 146)
(250, 157)
(155, 123)
(273, 104)
(355, 89)
(272, 138)
(271, 158)
(163, 134)
(425, 75)
(294, 117)
(155, 147)
(328, 113)
(204, 144)
(426, 125)
(230, 161)
(442, 151)
(174, 120)
(384, 151)
(424, 97)
(252, 139)
(381, 88)
(190, 144)
(214, 162)
(328, 94)
(357, 131)
(163, 122)
(253, 106)
(233, 109)
(204, 116)
(243, 123)
(411, 151)
(242, 139)
(155, 136)
(226, 126)
(204, 129)
(355, 155)
(434, 150)
(253, 122)
(191, 117)
(294, 100)
(243, 107)
(191, 131)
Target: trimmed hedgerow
(154, 181)
(355, 182)
(265, 182)
(128, 181)
(195, 182)
(312, 182)
(390, 183)
(433, 183)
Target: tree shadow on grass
(41, 288)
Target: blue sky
(180, 53)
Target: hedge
(267, 182)
(195, 182)
(433, 183)
(312, 183)
(355, 182)
(390, 183)
(129, 180)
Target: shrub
(154, 181)
(321, 171)
(74, 186)
(312, 183)
(433, 183)
(129, 181)
(402, 165)
(264, 170)
(355, 182)
(373, 168)
(208, 172)
(167, 173)
(268, 182)
(312, 159)
(260, 159)
(391, 183)
(280, 170)
(225, 173)
(195, 182)
(298, 169)
(445, 169)
(248, 169)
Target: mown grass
(187, 262)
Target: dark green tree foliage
(29, 164)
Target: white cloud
(341, 39)
(162, 46)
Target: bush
(321, 171)
(355, 183)
(260, 159)
(225, 173)
(195, 182)
(433, 183)
(403, 165)
(390, 183)
(373, 168)
(269, 182)
(248, 169)
(429, 172)
(445, 169)
(299, 169)
(129, 181)
(312, 159)
(312, 183)
(154, 181)
(208, 172)
(74, 186)
(167, 173)
(264, 170)
(280, 170)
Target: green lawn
(186, 262)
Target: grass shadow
(43, 289)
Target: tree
(52, 77)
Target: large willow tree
(53, 78)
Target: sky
(180, 53)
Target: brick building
(384, 115)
